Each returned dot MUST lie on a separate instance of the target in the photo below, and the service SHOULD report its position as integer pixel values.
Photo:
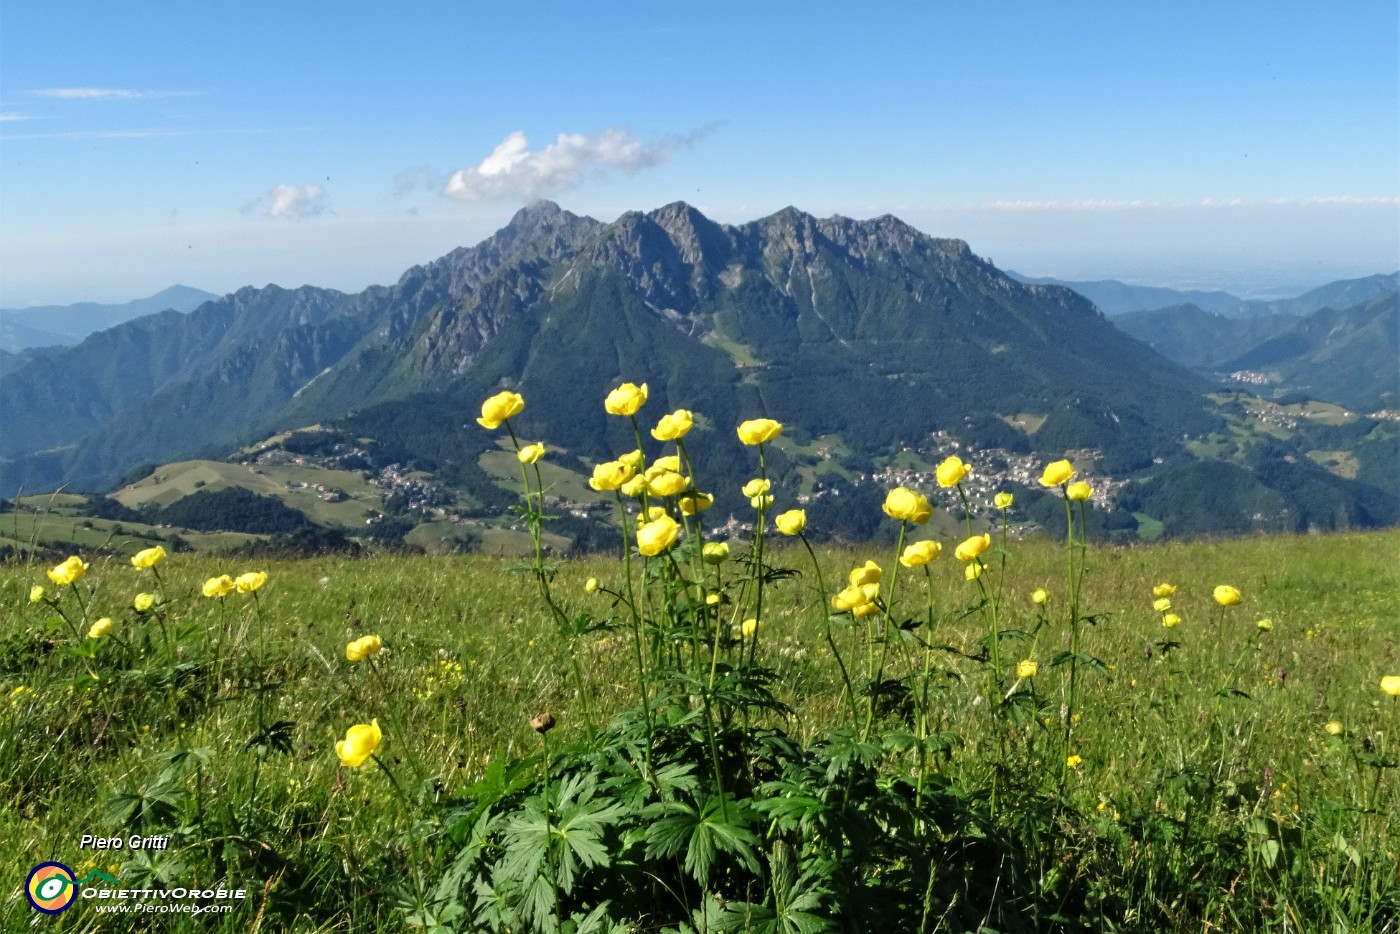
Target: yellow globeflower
(1040, 596)
(143, 602)
(362, 648)
(1003, 500)
(756, 487)
(498, 408)
(791, 522)
(360, 742)
(1162, 604)
(951, 472)
(626, 399)
(1225, 595)
(530, 453)
(72, 569)
(906, 505)
(1057, 473)
(634, 459)
(591, 585)
(867, 573)
(973, 571)
(650, 513)
(759, 430)
(855, 597)
(675, 426)
(634, 487)
(1074, 762)
(657, 535)
(148, 557)
(1335, 728)
(748, 627)
(973, 547)
(100, 628)
(1079, 491)
(1265, 625)
(920, 553)
(715, 552)
(1390, 684)
(671, 462)
(1163, 590)
(220, 586)
(36, 594)
(1026, 668)
(667, 483)
(1170, 620)
(610, 475)
(691, 503)
(251, 581)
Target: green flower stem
(848, 690)
(885, 640)
(631, 601)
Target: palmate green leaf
(791, 804)
(844, 749)
(720, 826)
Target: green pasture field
(1208, 793)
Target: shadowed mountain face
(869, 330)
(64, 325)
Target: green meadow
(777, 739)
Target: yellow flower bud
(907, 506)
(498, 408)
(868, 573)
(973, 547)
(72, 569)
(657, 535)
(1170, 620)
(1390, 684)
(100, 628)
(363, 648)
(591, 585)
(36, 594)
(759, 431)
(360, 742)
(1057, 473)
(626, 399)
(691, 503)
(673, 427)
(1027, 668)
(748, 627)
(1161, 605)
(791, 522)
(530, 453)
(1163, 590)
(220, 586)
(251, 581)
(1040, 596)
(148, 557)
(1335, 728)
(920, 553)
(951, 472)
(1003, 500)
(1079, 491)
(1225, 595)
(715, 552)
(610, 475)
(143, 602)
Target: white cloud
(512, 171)
(105, 94)
(10, 116)
(290, 201)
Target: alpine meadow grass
(706, 734)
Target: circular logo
(51, 888)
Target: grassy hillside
(1226, 773)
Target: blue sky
(1251, 146)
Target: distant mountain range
(1119, 298)
(881, 348)
(64, 325)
